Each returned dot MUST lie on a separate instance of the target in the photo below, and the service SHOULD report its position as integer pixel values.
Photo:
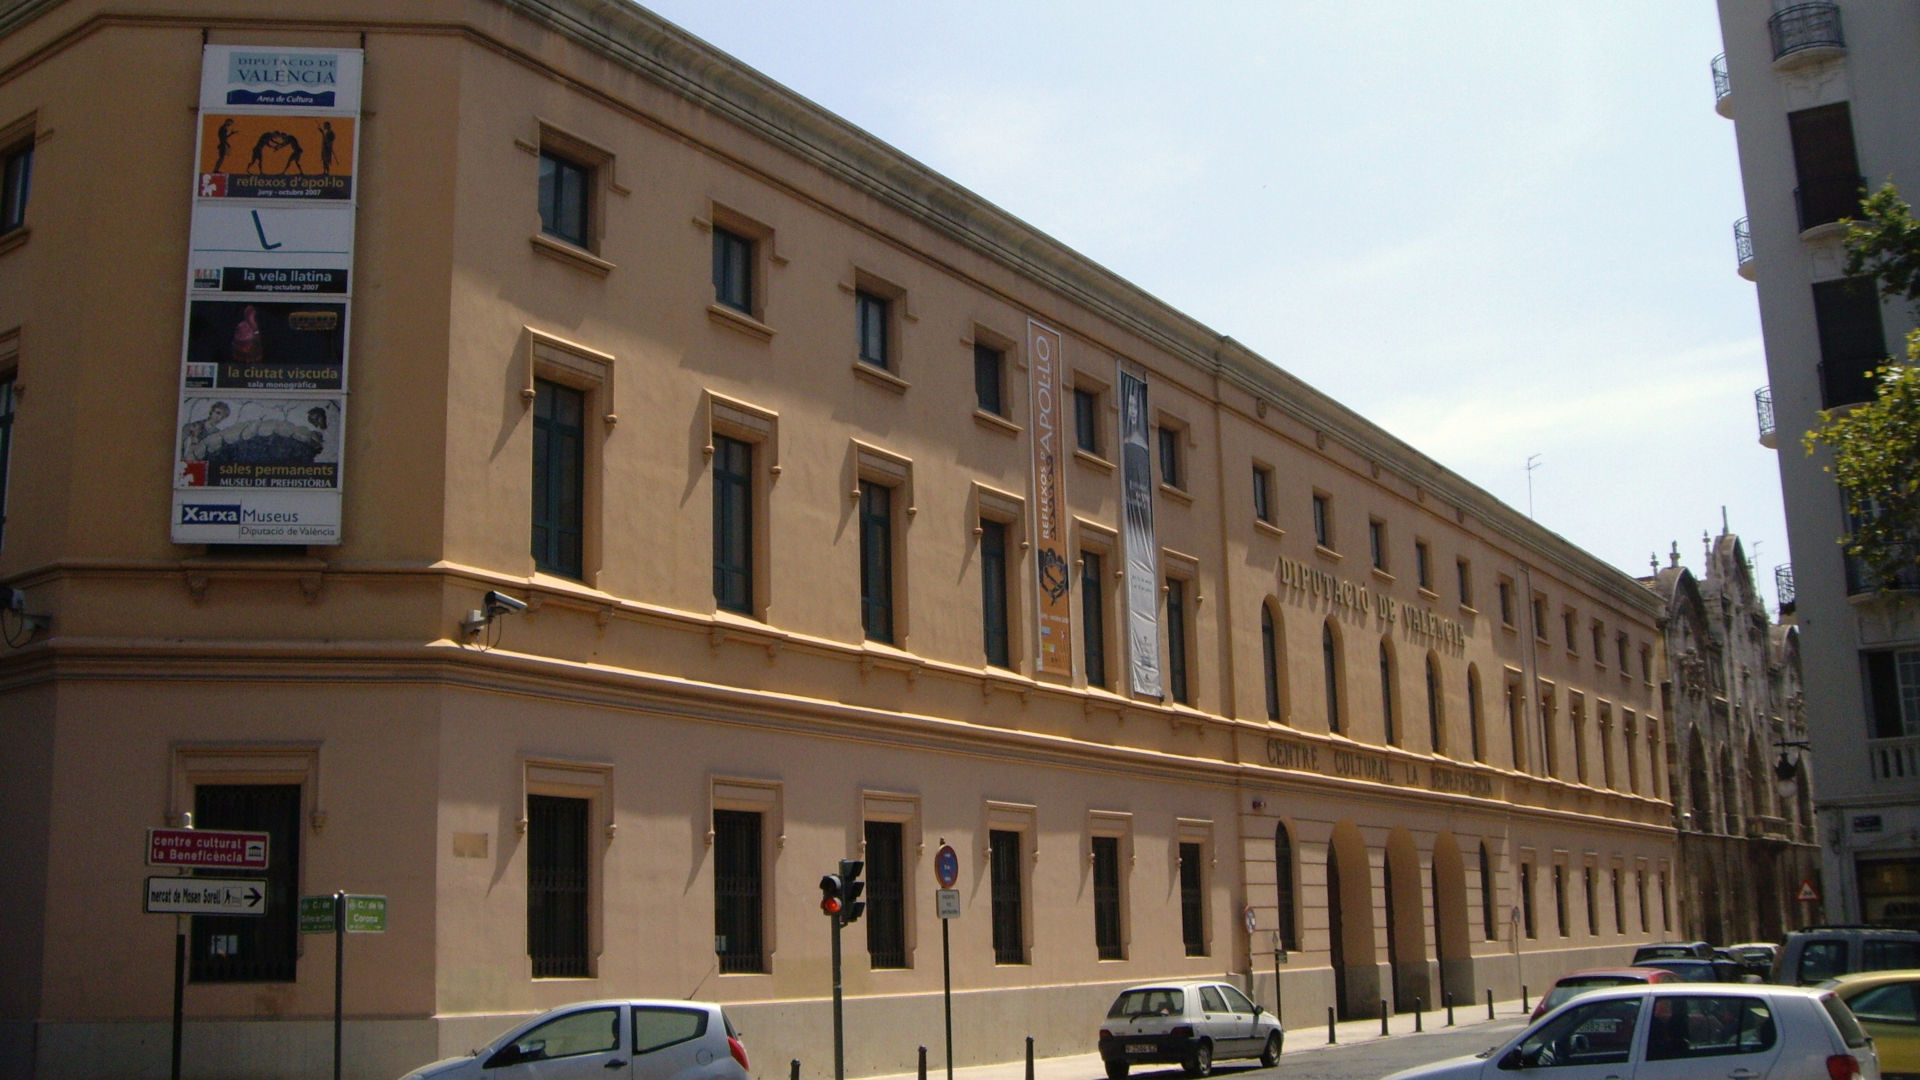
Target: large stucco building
(851, 517)
(1821, 97)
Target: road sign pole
(180, 925)
(946, 989)
(339, 970)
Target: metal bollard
(1449, 1008)
(923, 1063)
(1330, 1036)
(1419, 1018)
(1489, 1002)
(1525, 1005)
(1029, 1057)
(793, 1069)
(1383, 1016)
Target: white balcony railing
(1895, 759)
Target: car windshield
(1565, 989)
(1150, 1001)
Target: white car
(607, 1040)
(1187, 1023)
(1680, 1031)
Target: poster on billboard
(291, 250)
(268, 77)
(276, 156)
(1143, 554)
(266, 345)
(229, 441)
(1051, 565)
(202, 516)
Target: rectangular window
(886, 915)
(1463, 577)
(1620, 649)
(876, 561)
(1599, 643)
(1540, 619)
(1593, 918)
(1506, 603)
(1825, 165)
(6, 446)
(1665, 903)
(1177, 640)
(1640, 895)
(733, 524)
(1086, 421)
(1526, 901)
(1566, 630)
(1846, 315)
(1619, 908)
(738, 891)
(871, 311)
(1106, 898)
(732, 270)
(1170, 457)
(1322, 521)
(989, 368)
(1009, 921)
(1560, 899)
(1193, 929)
(1893, 692)
(1093, 617)
(993, 591)
(565, 197)
(1263, 493)
(1422, 564)
(559, 453)
(16, 182)
(1377, 543)
(558, 880)
(251, 948)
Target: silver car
(1680, 1031)
(607, 1040)
(1187, 1023)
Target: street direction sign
(947, 903)
(946, 866)
(207, 849)
(366, 914)
(316, 914)
(205, 896)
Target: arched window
(1386, 693)
(1270, 661)
(1283, 886)
(1330, 661)
(1474, 722)
(1436, 721)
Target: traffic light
(840, 893)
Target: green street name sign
(365, 914)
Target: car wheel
(1116, 1070)
(1271, 1055)
(1201, 1062)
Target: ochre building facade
(850, 517)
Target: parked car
(1190, 1024)
(635, 1040)
(1675, 1031)
(1819, 953)
(1673, 950)
(1887, 1004)
(1580, 982)
(1756, 957)
(1693, 969)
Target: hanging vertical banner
(1051, 564)
(263, 373)
(1143, 555)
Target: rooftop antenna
(1533, 462)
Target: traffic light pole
(839, 1045)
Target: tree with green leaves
(1876, 445)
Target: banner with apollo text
(1051, 563)
(1143, 556)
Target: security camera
(498, 603)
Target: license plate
(1141, 1048)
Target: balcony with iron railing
(1863, 581)
(1783, 587)
(1895, 761)
(1805, 33)
(1722, 87)
(1763, 410)
(1743, 249)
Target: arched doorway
(1350, 951)
(1406, 923)
(1450, 939)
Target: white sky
(1495, 228)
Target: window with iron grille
(1106, 898)
(1193, 929)
(1093, 620)
(1593, 918)
(886, 895)
(16, 181)
(1177, 640)
(738, 893)
(989, 364)
(557, 886)
(1640, 897)
(993, 591)
(1270, 661)
(876, 561)
(1436, 722)
(1009, 925)
(732, 270)
(1619, 910)
(733, 524)
(1283, 887)
(252, 948)
(565, 198)
(1560, 900)
(871, 311)
(558, 478)
(1386, 695)
(1475, 721)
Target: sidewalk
(1300, 1039)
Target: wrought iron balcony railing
(1763, 408)
(1722, 84)
(1783, 586)
(1806, 26)
(1743, 248)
